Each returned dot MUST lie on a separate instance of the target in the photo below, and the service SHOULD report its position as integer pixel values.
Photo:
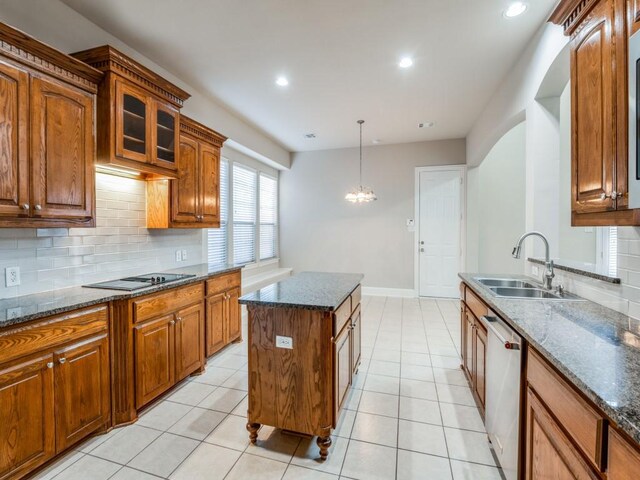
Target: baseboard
(389, 292)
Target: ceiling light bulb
(515, 9)
(282, 81)
(405, 62)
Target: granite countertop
(310, 290)
(596, 348)
(25, 308)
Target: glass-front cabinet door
(132, 123)
(166, 137)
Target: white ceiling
(340, 57)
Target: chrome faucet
(548, 263)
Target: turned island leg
(253, 428)
(324, 443)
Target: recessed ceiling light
(405, 62)
(282, 81)
(426, 124)
(515, 9)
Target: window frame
(276, 224)
(230, 218)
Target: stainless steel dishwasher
(502, 408)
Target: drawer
(223, 283)
(474, 304)
(166, 302)
(341, 316)
(580, 420)
(356, 297)
(23, 340)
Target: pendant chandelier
(361, 194)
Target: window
(217, 238)
(268, 217)
(245, 184)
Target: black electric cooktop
(141, 281)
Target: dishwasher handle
(490, 323)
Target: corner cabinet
(48, 135)
(599, 31)
(138, 115)
(193, 199)
(54, 387)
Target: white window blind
(245, 185)
(268, 217)
(217, 238)
(613, 251)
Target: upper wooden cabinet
(193, 200)
(47, 134)
(138, 114)
(599, 31)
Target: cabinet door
(215, 323)
(210, 185)
(633, 16)
(14, 141)
(184, 190)
(189, 340)
(83, 398)
(480, 356)
(166, 135)
(356, 334)
(133, 123)
(62, 150)
(342, 366)
(549, 454)
(623, 460)
(27, 430)
(593, 111)
(154, 358)
(233, 317)
(467, 340)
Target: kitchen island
(304, 343)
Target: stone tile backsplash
(120, 245)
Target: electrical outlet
(184, 255)
(12, 276)
(14, 312)
(178, 255)
(535, 270)
(284, 342)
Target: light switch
(284, 342)
(178, 255)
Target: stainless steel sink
(505, 282)
(532, 293)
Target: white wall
(319, 230)
(52, 22)
(496, 192)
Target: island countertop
(310, 290)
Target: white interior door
(439, 232)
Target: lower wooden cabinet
(167, 349)
(82, 388)
(474, 353)
(342, 366)
(27, 406)
(223, 319)
(549, 453)
(154, 358)
(54, 387)
(356, 339)
(624, 458)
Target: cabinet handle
(612, 196)
(38, 207)
(25, 206)
(49, 364)
(62, 360)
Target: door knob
(422, 250)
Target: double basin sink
(513, 288)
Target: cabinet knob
(62, 360)
(38, 207)
(49, 364)
(613, 195)
(179, 319)
(25, 206)
(172, 322)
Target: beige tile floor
(410, 415)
